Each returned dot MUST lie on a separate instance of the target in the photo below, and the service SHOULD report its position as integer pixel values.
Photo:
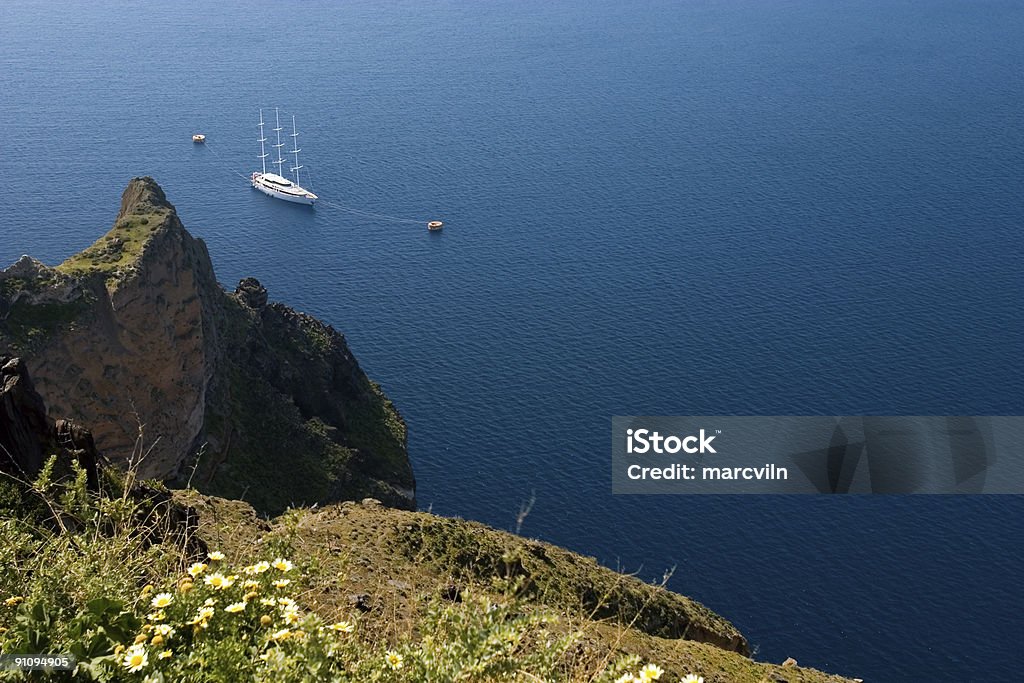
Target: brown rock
(252, 293)
(28, 437)
(135, 337)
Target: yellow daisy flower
(650, 672)
(202, 616)
(196, 569)
(218, 581)
(135, 659)
(282, 565)
(235, 607)
(394, 660)
(342, 626)
(162, 600)
(216, 556)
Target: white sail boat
(275, 184)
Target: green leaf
(99, 646)
(101, 606)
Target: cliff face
(28, 436)
(144, 293)
(135, 337)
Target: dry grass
(393, 563)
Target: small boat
(198, 137)
(434, 225)
(275, 184)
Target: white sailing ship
(275, 184)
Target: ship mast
(295, 150)
(279, 144)
(262, 140)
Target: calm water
(739, 206)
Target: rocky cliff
(246, 398)
(28, 436)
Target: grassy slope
(392, 561)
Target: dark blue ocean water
(667, 207)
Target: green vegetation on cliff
(293, 420)
(37, 303)
(139, 585)
(28, 326)
(120, 248)
(144, 211)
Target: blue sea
(680, 207)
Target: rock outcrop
(247, 398)
(119, 336)
(28, 436)
(29, 439)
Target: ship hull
(304, 197)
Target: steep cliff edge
(250, 399)
(384, 569)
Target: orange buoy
(435, 225)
